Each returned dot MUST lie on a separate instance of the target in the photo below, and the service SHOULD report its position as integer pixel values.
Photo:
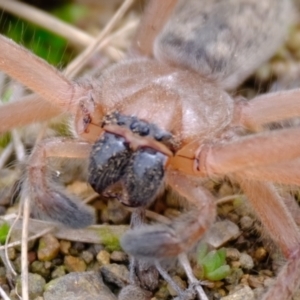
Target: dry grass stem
(12, 225)
(24, 248)
(6, 153)
(183, 259)
(31, 238)
(228, 198)
(77, 64)
(39, 17)
(84, 235)
(3, 294)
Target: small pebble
(48, 247)
(267, 273)
(116, 274)
(182, 284)
(235, 264)
(256, 281)
(221, 293)
(79, 246)
(103, 257)
(233, 254)
(74, 264)
(95, 248)
(48, 264)
(222, 232)
(31, 256)
(57, 261)
(58, 272)
(233, 217)
(87, 256)
(2, 276)
(79, 188)
(134, 292)
(245, 293)
(11, 253)
(246, 222)
(78, 286)
(260, 254)
(38, 267)
(36, 285)
(246, 261)
(162, 293)
(258, 292)
(235, 276)
(269, 282)
(116, 212)
(93, 266)
(119, 256)
(225, 190)
(244, 279)
(64, 246)
(17, 264)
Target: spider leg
(287, 281)
(261, 149)
(268, 108)
(45, 80)
(253, 151)
(29, 110)
(49, 201)
(285, 173)
(159, 241)
(75, 98)
(142, 272)
(280, 224)
(154, 18)
(273, 213)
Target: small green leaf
(4, 229)
(222, 256)
(4, 139)
(219, 273)
(211, 262)
(202, 252)
(110, 240)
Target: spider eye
(143, 177)
(109, 156)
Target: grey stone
(36, 284)
(245, 293)
(222, 232)
(246, 261)
(134, 292)
(116, 274)
(78, 286)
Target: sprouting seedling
(213, 263)
(4, 229)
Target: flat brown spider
(162, 117)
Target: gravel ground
(63, 267)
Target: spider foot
(151, 241)
(187, 294)
(143, 272)
(53, 204)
